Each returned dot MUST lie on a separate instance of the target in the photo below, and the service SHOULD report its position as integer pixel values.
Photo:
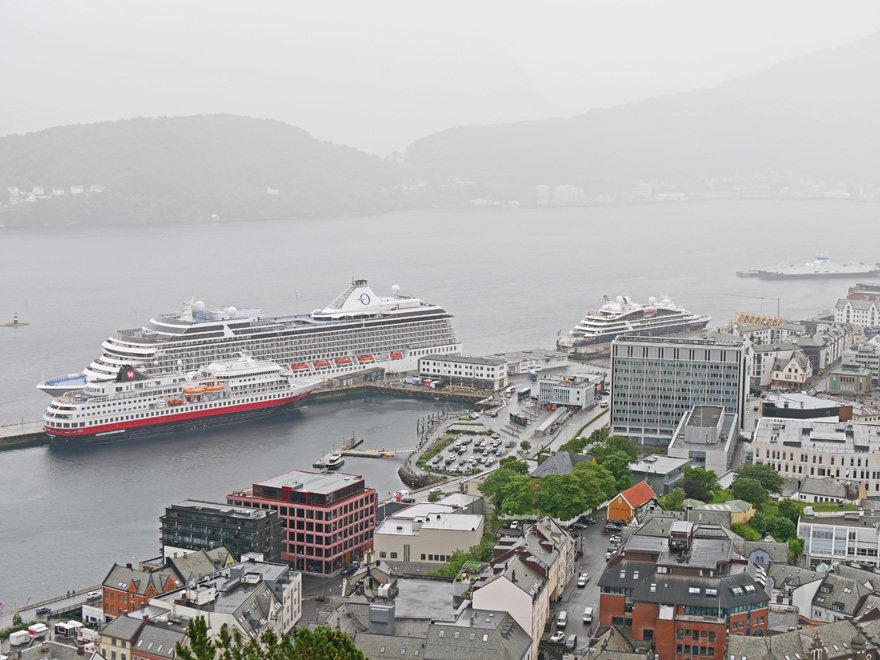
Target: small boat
(194, 390)
(343, 360)
(321, 364)
(175, 402)
(334, 460)
(215, 388)
(365, 358)
(299, 367)
(397, 356)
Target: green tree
(706, 478)
(597, 482)
(613, 444)
(617, 463)
(693, 489)
(525, 445)
(492, 486)
(673, 501)
(795, 548)
(518, 494)
(560, 495)
(780, 527)
(766, 475)
(791, 509)
(749, 490)
(201, 646)
(433, 497)
(511, 463)
(16, 619)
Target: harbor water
(511, 277)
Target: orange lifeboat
(194, 390)
(299, 367)
(175, 402)
(215, 388)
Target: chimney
(128, 565)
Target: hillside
(189, 169)
(814, 115)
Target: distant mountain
(818, 114)
(188, 169)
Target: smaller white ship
(622, 316)
(821, 266)
(137, 405)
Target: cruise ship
(135, 405)
(622, 316)
(358, 330)
(821, 266)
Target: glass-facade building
(655, 381)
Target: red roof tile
(638, 494)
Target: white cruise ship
(821, 266)
(622, 316)
(357, 330)
(135, 405)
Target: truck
(412, 380)
(38, 630)
(84, 635)
(19, 637)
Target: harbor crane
(742, 295)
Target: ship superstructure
(359, 329)
(821, 266)
(622, 316)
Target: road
(593, 544)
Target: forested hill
(219, 167)
(817, 114)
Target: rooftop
(466, 359)
(705, 416)
(658, 464)
(819, 435)
(312, 482)
(226, 509)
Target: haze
(379, 75)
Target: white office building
(483, 372)
(657, 380)
(579, 391)
(839, 536)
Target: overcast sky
(377, 75)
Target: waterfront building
(574, 390)
(426, 533)
(800, 448)
(198, 525)
(864, 291)
(488, 373)
(707, 436)
(328, 518)
(656, 380)
(683, 588)
(661, 473)
(252, 597)
(850, 379)
(533, 359)
(836, 536)
(135, 636)
(864, 313)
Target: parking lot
(478, 449)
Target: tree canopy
(766, 475)
(706, 478)
(749, 490)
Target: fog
(379, 75)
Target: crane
(742, 295)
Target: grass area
(720, 496)
(832, 506)
(581, 429)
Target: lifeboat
(175, 402)
(365, 358)
(194, 390)
(215, 388)
(321, 364)
(299, 367)
(343, 360)
(397, 356)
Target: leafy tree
(511, 463)
(517, 493)
(749, 490)
(201, 646)
(433, 497)
(525, 445)
(766, 475)
(617, 463)
(791, 509)
(16, 619)
(706, 478)
(743, 530)
(560, 495)
(597, 482)
(673, 501)
(613, 444)
(479, 553)
(693, 489)
(493, 484)
(795, 548)
(780, 527)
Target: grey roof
(862, 305)
(312, 482)
(785, 576)
(709, 517)
(122, 627)
(680, 590)
(243, 512)
(658, 465)
(120, 577)
(475, 635)
(844, 594)
(158, 640)
(836, 638)
(867, 577)
(195, 565)
(466, 359)
(777, 551)
(626, 573)
(826, 487)
(55, 651)
(562, 462)
(375, 645)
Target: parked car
(587, 520)
(613, 527)
(557, 637)
(348, 570)
(514, 524)
(603, 403)
(588, 615)
(572, 642)
(562, 620)
(609, 555)
(582, 581)
(496, 435)
(436, 489)
(43, 610)
(578, 525)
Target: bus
(510, 390)
(524, 392)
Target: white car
(582, 581)
(557, 637)
(436, 489)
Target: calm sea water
(512, 278)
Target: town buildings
(863, 313)
(800, 448)
(328, 518)
(134, 636)
(826, 489)
(625, 505)
(426, 533)
(683, 588)
(657, 380)
(839, 536)
(573, 390)
(197, 525)
(850, 379)
(662, 473)
(706, 435)
(489, 373)
(867, 355)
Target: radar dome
(395, 289)
(652, 300)
(199, 306)
(231, 311)
(619, 299)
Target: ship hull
(766, 275)
(180, 423)
(647, 332)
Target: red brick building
(126, 589)
(328, 518)
(684, 588)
